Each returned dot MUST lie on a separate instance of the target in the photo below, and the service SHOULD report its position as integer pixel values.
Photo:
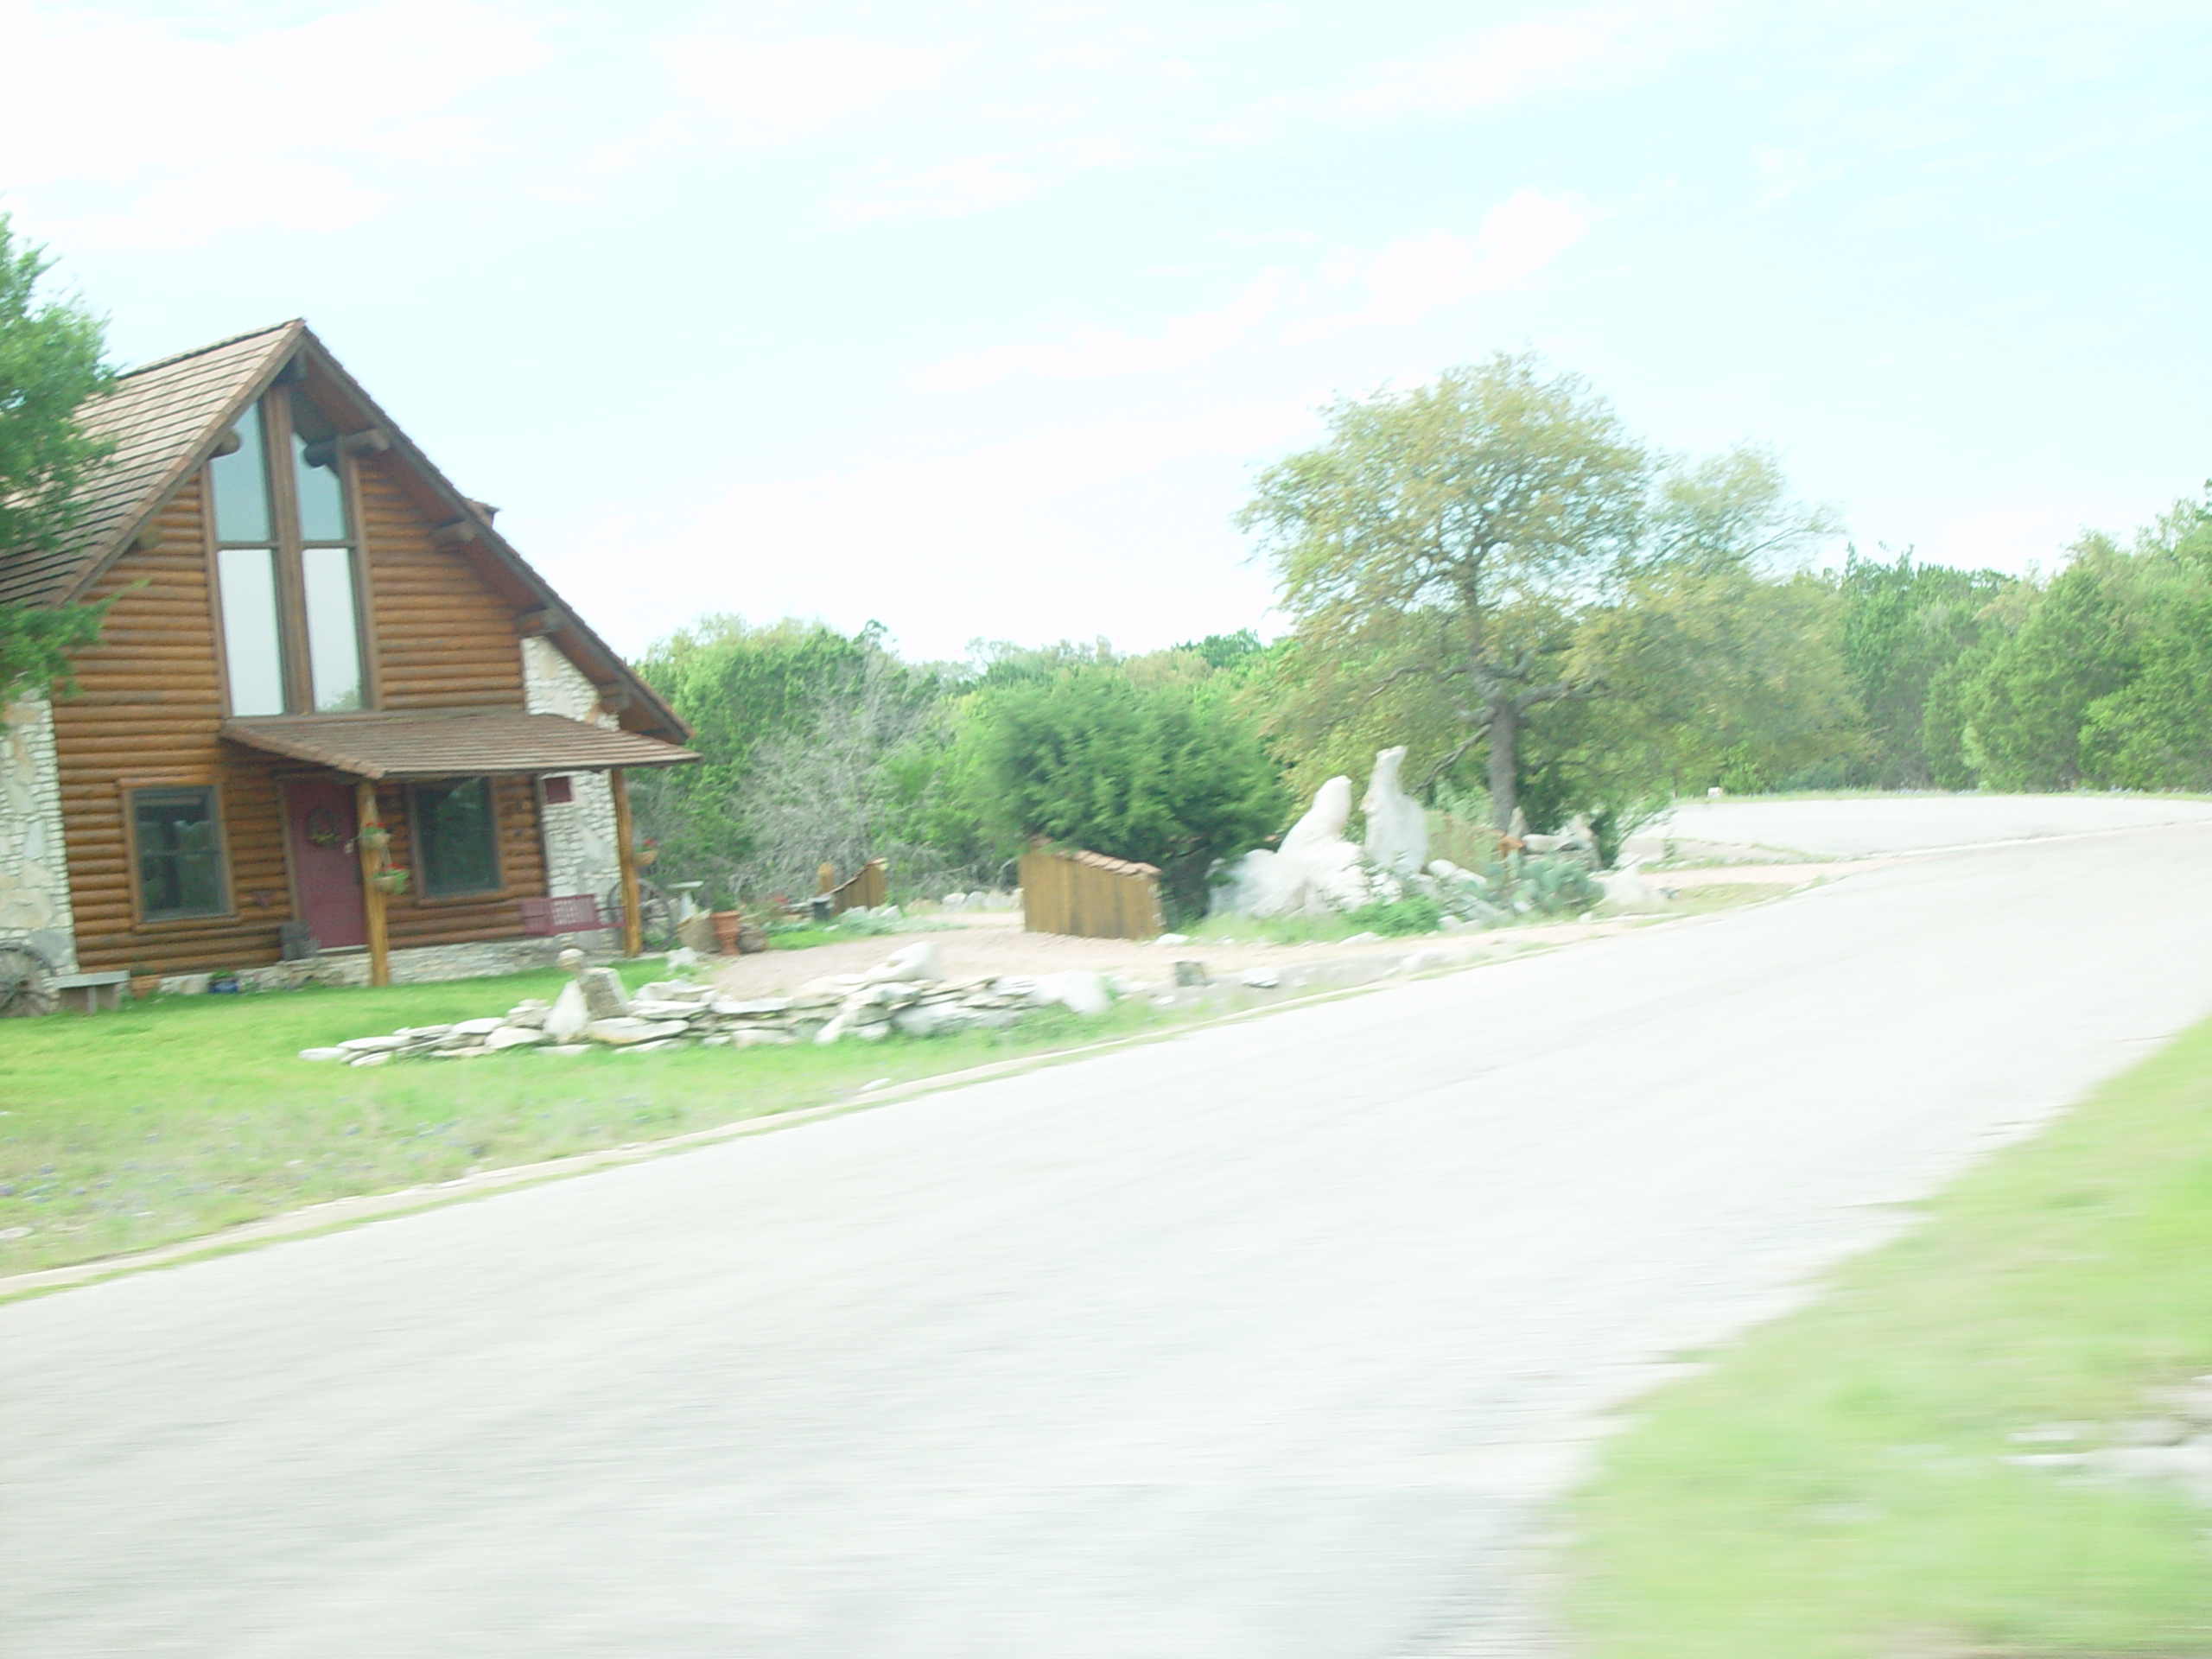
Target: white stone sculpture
(1397, 828)
(1315, 871)
(1626, 889)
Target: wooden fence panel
(1090, 896)
(864, 889)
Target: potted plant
(644, 853)
(146, 979)
(374, 836)
(391, 883)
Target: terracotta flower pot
(729, 926)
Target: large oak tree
(1438, 550)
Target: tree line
(1555, 618)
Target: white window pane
(322, 504)
(242, 486)
(251, 651)
(334, 637)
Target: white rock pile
(907, 994)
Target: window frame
(274, 409)
(417, 844)
(128, 790)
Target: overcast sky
(976, 318)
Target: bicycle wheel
(656, 912)
(26, 983)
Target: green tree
(50, 365)
(1714, 675)
(1165, 772)
(1436, 550)
(806, 733)
(2023, 711)
(2155, 732)
(1903, 626)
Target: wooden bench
(89, 993)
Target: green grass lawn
(190, 1114)
(1835, 1485)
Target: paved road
(1855, 828)
(1266, 1342)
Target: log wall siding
(443, 638)
(150, 701)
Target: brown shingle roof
(158, 416)
(467, 744)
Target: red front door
(318, 823)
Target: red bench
(574, 913)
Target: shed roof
(469, 744)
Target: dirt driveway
(995, 943)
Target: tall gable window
(285, 564)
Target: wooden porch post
(365, 817)
(633, 925)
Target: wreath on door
(322, 827)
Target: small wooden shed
(1090, 895)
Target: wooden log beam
(633, 925)
(374, 441)
(365, 817)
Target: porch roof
(451, 745)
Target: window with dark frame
(179, 855)
(285, 562)
(456, 841)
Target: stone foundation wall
(34, 873)
(580, 855)
(422, 965)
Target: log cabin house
(321, 666)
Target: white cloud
(881, 505)
(947, 190)
(1404, 280)
(239, 193)
(796, 88)
(1416, 275)
(1090, 353)
(2005, 538)
(1506, 63)
(1781, 172)
(1032, 115)
(929, 543)
(186, 133)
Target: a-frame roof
(165, 419)
(155, 418)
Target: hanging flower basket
(644, 854)
(374, 836)
(391, 883)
